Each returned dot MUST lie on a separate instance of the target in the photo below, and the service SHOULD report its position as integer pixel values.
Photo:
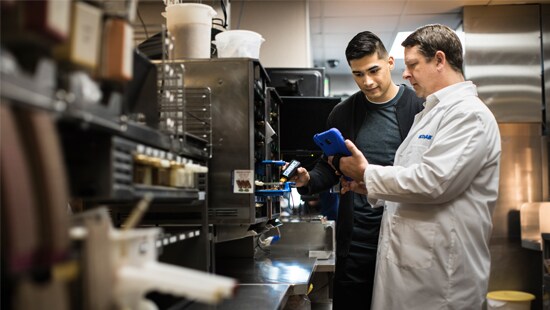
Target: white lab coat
(440, 195)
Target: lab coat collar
(447, 95)
(451, 94)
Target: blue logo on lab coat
(427, 137)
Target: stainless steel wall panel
(520, 172)
(503, 59)
(545, 28)
(513, 266)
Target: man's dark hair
(433, 38)
(364, 44)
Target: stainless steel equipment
(312, 238)
(245, 142)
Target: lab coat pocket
(411, 243)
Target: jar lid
(510, 296)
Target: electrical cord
(218, 22)
(292, 200)
(263, 244)
(224, 10)
(143, 24)
(317, 289)
(266, 251)
(300, 209)
(289, 206)
(292, 207)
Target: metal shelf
(171, 238)
(26, 91)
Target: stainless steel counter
(252, 297)
(295, 271)
(287, 263)
(325, 265)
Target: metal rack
(171, 98)
(185, 112)
(198, 114)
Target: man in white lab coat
(441, 191)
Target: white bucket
(238, 43)
(191, 26)
(509, 300)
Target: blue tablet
(331, 142)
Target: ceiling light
(397, 51)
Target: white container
(238, 43)
(191, 26)
(509, 300)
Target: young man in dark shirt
(377, 118)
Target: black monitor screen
(301, 118)
(302, 82)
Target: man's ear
(440, 57)
(391, 62)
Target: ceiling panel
(345, 38)
(353, 1)
(315, 26)
(411, 22)
(438, 7)
(337, 40)
(335, 53)
(361, 8)
(316, 41)
(357, 24)
(314, 8)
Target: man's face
(422, 74)
(373, 76)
